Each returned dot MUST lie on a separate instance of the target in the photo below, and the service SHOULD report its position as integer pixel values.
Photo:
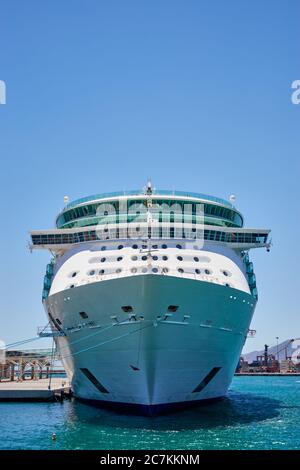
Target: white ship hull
(156, 361)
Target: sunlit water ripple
(259, 413)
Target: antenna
(66, 199)
(232, 198)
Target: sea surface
(258, 413)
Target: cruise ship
(149, 296)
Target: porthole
(226, 273)
(127, 309)
(179, 258)
(165, 270)
(197, 271)
(72, 286)
(134, 258)
(144, 258)
(154, 270)
(120, 247)
(179, 246)
(101, 271)
(165, 258)
(103, 248)
(120, 258)
(102, 260)
(164, 246)
(155, 258)
(154, 247)
(74, 274)
(118, 270)
(83, 315)
(144, 270)
(135, 246)
(133, 270)
(228, 285)
(196, 259)
(180, 270)
(207, 271)
(91, 273)
(144, 247)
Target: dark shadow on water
(234, 410)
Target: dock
(35, 390)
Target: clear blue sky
(196, 94)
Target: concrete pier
(35, 390)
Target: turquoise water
(259, 413)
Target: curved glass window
(166, 209)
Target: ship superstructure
(150, 295)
